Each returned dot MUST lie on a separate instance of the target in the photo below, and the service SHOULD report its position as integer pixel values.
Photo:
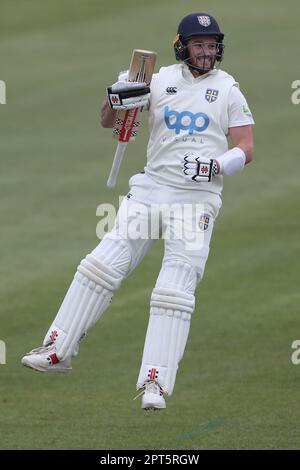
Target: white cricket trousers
(150, 211)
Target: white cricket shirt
(191, 114)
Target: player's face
(202, 51)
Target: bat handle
(112, 179)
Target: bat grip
(112, 179)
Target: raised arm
(107, 115)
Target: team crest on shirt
(204, 222)
(204, 20)
(211, 95)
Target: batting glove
(128, 95)
(123, 76)
(199, 169)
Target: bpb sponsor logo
(186, 121)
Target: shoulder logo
(171, 90)
(246, 110)
(204, 20)
(211, 95)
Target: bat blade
(127, 122)
(140, 70)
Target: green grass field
(237, 387)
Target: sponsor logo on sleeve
(246, 110)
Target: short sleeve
(152, 89)
(239, 113)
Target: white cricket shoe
(44, 359)
(153, 397)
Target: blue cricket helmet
(197, 24)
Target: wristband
(232, 162)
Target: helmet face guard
(198, 24)
(182, 53)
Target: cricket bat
(127, 122)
